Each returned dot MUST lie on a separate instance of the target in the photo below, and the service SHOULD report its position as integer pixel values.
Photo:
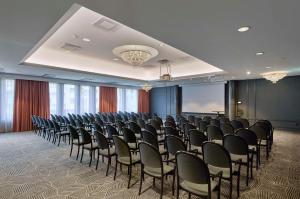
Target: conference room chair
(244, 121)
(104, 149)
(150, 138)
(266, 126)
(196, 140)
(215, 134)
(111, 131)
(124, 157)
(252, 142)
(60, 132)
(150, 128)
(236, 124)
(171, 131)
(136, 129)
(215, 122)
(193, 176)
(157, 125)
(191, 119)
(130, 138)
(197, 122)
(120, 125)
(187, 128)
(263, 138)
(207, 119)
(87, 143)
(74, 136)
(50, 130)
(218, 159)
(98, 127)
(203, 126)
(174, 144)
(227, 129)
(152, 165)
(239, 152)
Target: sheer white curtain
(56, 98)
(127, 100)
(7, 92)
(70, 99)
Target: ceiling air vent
(48, 76)
(71, 47)
(106, 24)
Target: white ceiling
(204, 29)
(96, 56)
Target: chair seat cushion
(105, 151)
(252, 147)
(162, 150)
(126, 160)
(89, 147)
(157, 171)
(199, 189)
(138, 136)
(218, 141)
(226, 171)
(236, 157)
(132, 146)
(198, 148)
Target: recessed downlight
(268, 67)
(86, 39)
(244, 29)
(162, 45)
(116, 59)
(260, 53)
(248, 72)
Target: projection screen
(204, 98)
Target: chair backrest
(192, 169)
(156, 124)
(227, 128)
(111, 131)
(66, 120)
(79, 124)
(191, 119)
(247, 135)
(129, 136)
(56, 126)
(237, 124)
(214, 133)
(99, 120)
(260, 132)
(235, 145)
(150, 156)
(264, 125)
(171, 131)
(207, 119)
(72, 122)
(135, 127)
(85, 136)
(148, 137)
(169, 123)
(73, 132)
(197, 121)
(122, 148)
(141, 122)
(174, 144)
(203, 126)
(101, 140)
(187, 128)
(216, 155)
(244, 121)
(197, 138)
(150, 128)
(97, 127)
(215, 122)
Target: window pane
(84, 99)
(131, 100)
(97, 99)
(69, 99)
(7, 91)
(120, 99)
(53, 93)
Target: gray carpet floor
(31, 167)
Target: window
(54, 99)
(85, 99)
(70, 99)
(97, 99)
(127, 100)
(7, 92)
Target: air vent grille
(71, 47)
(106, 24)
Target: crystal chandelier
(147, 87)
(274, 76)
(135, 55)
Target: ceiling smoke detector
(71, 47)
(106, 24)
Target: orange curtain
(108, 99)
(143, 101)
(31, 98)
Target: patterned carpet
(31, 167)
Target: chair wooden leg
(116, 167)
(247, 178)
(238, 184)
(78, 152)
(173, 184)
(71, 149)
(141, 181)
(130, 171)
(91, 157)
(108, 164)
(59, 137)
(81, 154)
(189, 197)
(97, 161)
(230, 188)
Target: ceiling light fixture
(135, 55)
(259, 53)
(244, 29)
(248, 73)
(147, 87)
(86, 39)
(162, 45)
(274, 76)
(164, 63)
(116, 59)
(268, 67)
